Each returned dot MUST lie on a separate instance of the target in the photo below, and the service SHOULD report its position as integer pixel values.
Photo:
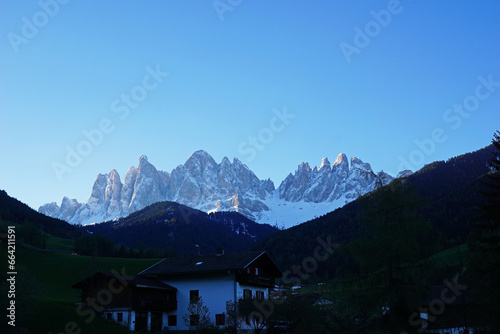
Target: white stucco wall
(215, 292)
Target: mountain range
(206, 185)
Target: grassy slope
(65, 245)
(55, 273)
(453, 257)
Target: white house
(159, 296)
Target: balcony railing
(255, 280)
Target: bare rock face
(128, 188)
(327, 184)
(204, 184)
(200, 183)
(50, 209)
(68, 208)
(148, 186)
(112, 193)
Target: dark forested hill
(449, 197)
(183, 230)
(12, 210)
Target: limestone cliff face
(204, 184)
(327, 184)
(200, 183)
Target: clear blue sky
(365, 78)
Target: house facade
(132, 301)
(159, 297)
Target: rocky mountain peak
(325, 164)
(143, 159)
(204, 184)
(343, 183)
(341, 159)
(358, 163)
(200, 183)
(225, 162)
(303, 167)
(404, 173)
(99, 187)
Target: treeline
(14, 211)
(99, 245)
(27, 233)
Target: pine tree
(490, 218)
(484, 267)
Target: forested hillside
(178, 229)
(15, 211)
(448, 199)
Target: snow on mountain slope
(204, 184)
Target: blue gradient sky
(67, 69)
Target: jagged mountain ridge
(327, 184)
(203, 184)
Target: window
(193, 295)
(259, 295)
(247, 293)
(109, 316)
(194, 320)
(220, 319)
(172, 320)
(119, 317)
(257, 271)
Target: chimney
(220, 251)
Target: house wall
(215, 291)
(239, 294)
(241, 287)
(127, 316)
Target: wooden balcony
(255, 280)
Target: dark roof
(210, 263)
(137, 281)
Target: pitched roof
(137, 281)
(209, 263)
